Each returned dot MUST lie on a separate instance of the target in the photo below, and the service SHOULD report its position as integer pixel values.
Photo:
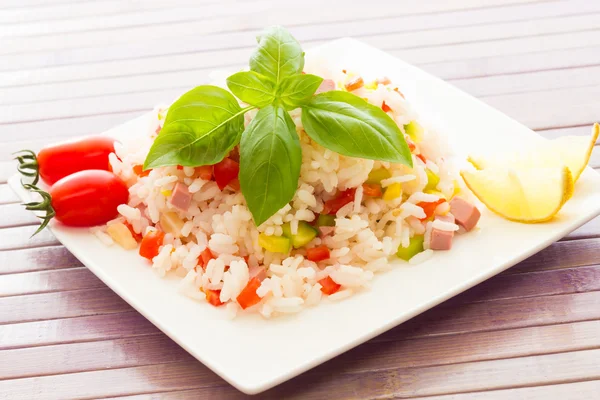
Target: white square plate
(254, 354)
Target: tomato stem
(28, 165)
(44, 205)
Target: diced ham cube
(326, 86)
(446, 218)
(181, 197)
(465, 213)
(326, 231)
(258, 272)
(441, 240)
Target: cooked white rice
(421, 257)
(444, 226)
(368, 231)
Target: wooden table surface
(72, 68)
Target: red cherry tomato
(225, 172)
(62, 159)
(88, 198)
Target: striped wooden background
(72, 67)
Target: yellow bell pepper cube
(392, 192)
(414, 247)
(275, 244)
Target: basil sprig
(200, 128)
(252, 88)
(297, 90)
(270, 159)
(204, 125)
(278, 55)
(361, 129)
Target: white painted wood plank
(572, 131)
(89, 356)
(499, 48)
(401, 383)
(68, 10)
(25, 134)
(305, 32)
(7, 195)
(48, 281)
(570, 56)
(184, 15)
(75, 330)
(502, 65)
(548, 109)
(7, 168)
(254, 14)
(12, 4)
(37, 259)
(189, 78)
(20, 238)
(234, 59)
(427, 351)
(60, 304)
(88, 106)
(24, 5)
(530, 81)
(91, 88)
(570, 391)
(174, 32)
(136, 83)
(16, 215)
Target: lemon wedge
(571, 151)
(524, 195)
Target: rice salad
(348, 219)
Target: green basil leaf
(200, 128)
(278, 54)
(270, 159)
(345, 123)
(296, 90)
(252, 88)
